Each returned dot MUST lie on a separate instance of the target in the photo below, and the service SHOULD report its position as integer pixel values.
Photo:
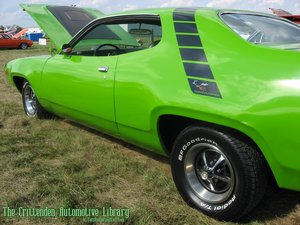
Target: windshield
(264, 30)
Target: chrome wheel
(31, 104)
(217, 173)
(209, 173)
(29, 100)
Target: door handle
(103, 68)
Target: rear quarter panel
(260, 89)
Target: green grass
(55, 163)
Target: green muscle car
(216, 90)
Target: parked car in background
(287, 15)
(7, 42)
(216, 90)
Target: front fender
(30, 68)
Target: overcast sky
(10, 12)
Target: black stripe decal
(198, 70)
(183, 17)
(205, 88)
(186, 28)
(189, 40)
(193, 54)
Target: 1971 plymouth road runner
(216, 90)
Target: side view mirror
(66, 48)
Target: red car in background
(287, 15)
(8, 42)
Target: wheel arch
(29, 69)
(18, 82)
(169, 126)
(169, 133)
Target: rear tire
(218, 174)
(23, 45)
(31, 104)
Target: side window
(115, 39)
(262, 30)
(5, 36)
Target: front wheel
(31, 104)
(220, 175)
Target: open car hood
(61, 23)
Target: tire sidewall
(181, 147)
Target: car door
(7, 41)
(15, 43)
(82, 88)
(81, 83)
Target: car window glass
(263, 30)
(115, 39)
(5, 36)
